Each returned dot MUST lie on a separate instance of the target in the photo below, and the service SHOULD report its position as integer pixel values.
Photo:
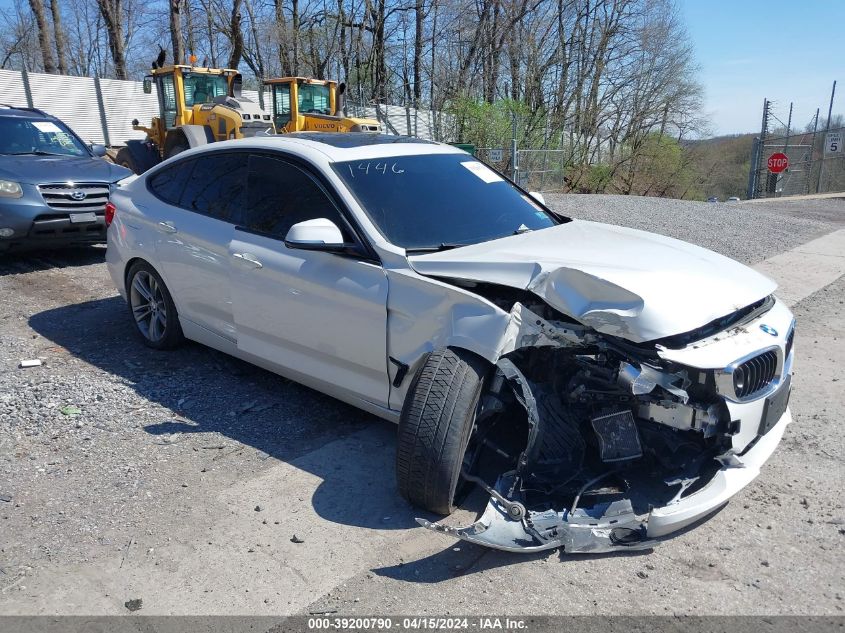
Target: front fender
(424, 314)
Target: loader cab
(180, 88)
(293, 97)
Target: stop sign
(778, 162)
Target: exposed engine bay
(579, 435)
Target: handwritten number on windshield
(367, 167)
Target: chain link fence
(543, 169)
(816, 164)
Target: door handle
(166, 227)
(249, 259)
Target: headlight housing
(10, 189)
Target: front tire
(124, 159)
(435, 427)
(152, 308)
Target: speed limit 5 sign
(833, 143)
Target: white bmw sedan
(605, 386)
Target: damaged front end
(591, 443)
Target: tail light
(110, 211)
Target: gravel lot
(180, 478)
(746, 231)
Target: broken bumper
(613, 526)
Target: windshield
(201, 88)
(436, 201)
(314, 98)
(25, 136)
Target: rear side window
(281, 195)
(217, 186)
(168, 184)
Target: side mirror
(315, 235)
(237, 86)
(148, 85)
(338, 100)
(98, 150)
(538, 197)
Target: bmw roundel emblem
(768, 329)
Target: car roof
(337, 147)
(7, 110)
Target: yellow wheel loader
(314, 105)
(196, 106)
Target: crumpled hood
(33, 170)
(624, 282)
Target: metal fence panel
(124, 101)
(72, 99)
(406, 121)
(12, 91)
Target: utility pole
(826, 130)
(813, 148)
(514, 152)
(788, 129)
(754, 176)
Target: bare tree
(112, 12)
(45, 41)
(59, 35)
(236, 35)
(175, 15)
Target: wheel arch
(128, 266)
(426, 314)
(190, 135)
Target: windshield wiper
(37, 152)
(445, 246)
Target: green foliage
(491, 124)
(722, 165)
(599, 178)
(659, 165)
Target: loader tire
(124, 159)
(435, 426)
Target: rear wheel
(435, 427)
(152, 308)
(124, 159)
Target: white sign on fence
(833, 143)
(496, 155)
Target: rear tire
(152, 308)
(435, 426)
(124, 159)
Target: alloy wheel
(148, 306)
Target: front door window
(167, 98)
(281, 105)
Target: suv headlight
(10, 189)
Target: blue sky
(749, 50)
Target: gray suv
(53, 187)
